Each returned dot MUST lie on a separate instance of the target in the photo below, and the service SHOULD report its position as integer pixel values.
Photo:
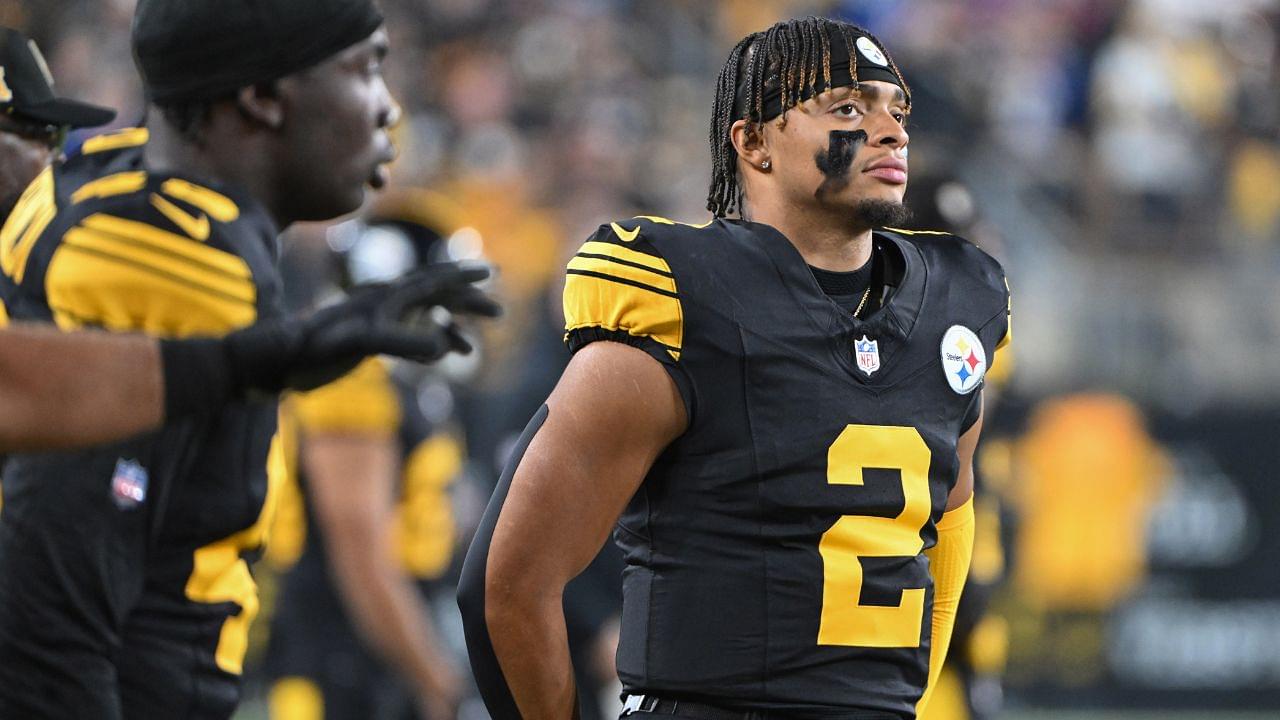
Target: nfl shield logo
(128, 484)
(868, 352)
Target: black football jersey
(370, 399)
(775, 550)
(312, 634)
(103, 242)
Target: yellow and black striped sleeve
(123, 269)
(619, 288)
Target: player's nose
(888, 132)
(389, 111)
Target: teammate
(124, 583)
(33, 121)
(779, 412)
(58, 390)
(372, 524)
(33, 124)
(77, 389)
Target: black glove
(400, 318)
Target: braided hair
(793, 56)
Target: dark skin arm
(965, 449)
(60, 390)
(612, 413)
(72, 390)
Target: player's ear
(748, 140)
(261, 104)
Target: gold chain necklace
(865, 294)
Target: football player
(778, 412)
(33, 126)
(77, 389)
(370, 525)
(33, 121)
(125, 589)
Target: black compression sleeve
(484, 661)
(197, 376)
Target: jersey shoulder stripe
(121, 183)
(118, 140)
(105, 244)
(618, 283)
(34, 211)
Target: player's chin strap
(471, 591)
(949, 566)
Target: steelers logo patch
(964, 362)
(870, 51)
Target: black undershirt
(846, 288)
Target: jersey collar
(890, 324)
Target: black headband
(203, 50)
(872, 63)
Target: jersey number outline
(844, 620)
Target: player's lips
(380, 174)
(890, 169)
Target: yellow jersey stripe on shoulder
(615, 277)
(614, 304)
(33, 212)
(166, 243)
(104, 187)
(218, 206)
(244, 294)
(625, 256)
(85, 286)
(173, 265)
(611, 269)
(126, 138)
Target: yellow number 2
(845, 620)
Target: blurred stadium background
(1121, 158)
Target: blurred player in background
(33, 129)
(33, 121)
(368, 524)
(778, 412)
(124, 584)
